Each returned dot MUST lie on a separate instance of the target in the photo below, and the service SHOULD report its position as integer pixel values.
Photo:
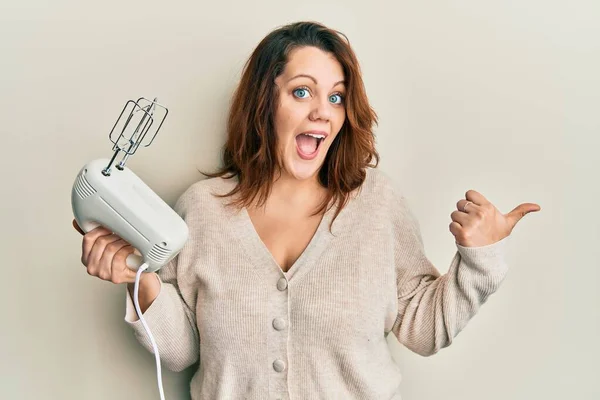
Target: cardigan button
(279, 324)
(278, 365)
(282, 284)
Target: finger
(476, 197)
(77, 228)
(460, 218)
(466, 206)
(121, 273)
(107, 259)
(99, 245)
(88, 242)
(456, 230)
(520, 211)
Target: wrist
(148, 281)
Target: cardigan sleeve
(434, 308)
(171, 317)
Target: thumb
(519, 212)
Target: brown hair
(250, 152)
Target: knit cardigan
(317, 331)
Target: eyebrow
(314, 80)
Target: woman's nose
(321, 110)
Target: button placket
(278, 337)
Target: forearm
(148, 290)
(172, 322)
(436, 308)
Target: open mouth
(308, 144)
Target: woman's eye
(334, 96)
(301, 90)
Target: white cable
(142, 268)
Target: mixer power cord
(138, 274)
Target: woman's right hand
(104, 254)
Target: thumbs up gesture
(477, 222)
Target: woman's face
(311, 110)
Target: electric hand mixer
(120, 201)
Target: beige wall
(501, 97)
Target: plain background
(502, 97)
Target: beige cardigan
(319, 330)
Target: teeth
(315, 135)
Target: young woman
(302, 255)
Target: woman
(302, 256)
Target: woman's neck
(289, 190)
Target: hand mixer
(120, 201)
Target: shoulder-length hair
(250, 152)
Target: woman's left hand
(482, 223)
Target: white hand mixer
(119, 200)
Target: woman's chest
(286, 237)
(348, 284)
